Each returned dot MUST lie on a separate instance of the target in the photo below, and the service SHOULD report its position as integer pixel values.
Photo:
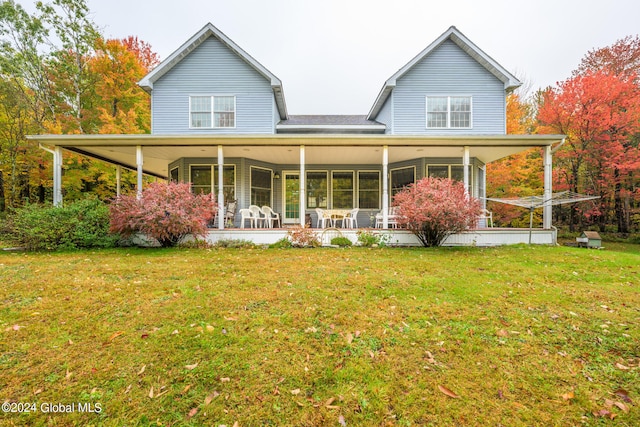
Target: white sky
(334, 55)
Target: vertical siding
(212, 69)
(448, 70)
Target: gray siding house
(220, 122)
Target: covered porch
(297, 174)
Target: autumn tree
(600, 114)
(520, 174)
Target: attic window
(448, 112)
(212, 112)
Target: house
(220, 122)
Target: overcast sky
(334, 55)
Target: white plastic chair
(485, 219)
(351, 220)
(259, 216)
(271, 217)
(245, 214)
(322, 218)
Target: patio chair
(245, 214)
(351, 220)
(485, 219)
(230, 212)
(260, 218)
(392, 218)
(322, 218)
(271, 217)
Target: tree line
(598, 109)
(58, 74)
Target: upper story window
(448, 112)
(213, 111)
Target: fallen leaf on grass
(115, 335)
(68, 374)
(141, 371)
(192, 413)
(349, 338)
(448, 392)
(295, 392)
(14, 328)
(568, 396)
(38, 391)
(225, 380)
(210, 397)
(605, 413)
(341, 421)
(185, 389)
(191, 367)
(623, 394)
(622, 406)
(128, 389)
(151, 393)
(502, 333)
(623, 367)
(210, 328)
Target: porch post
(57, 176)
(385, 186)
(548, 187)
(465, 164)
(302, 187)
(118, 180)
(221, 213)
(139, 163)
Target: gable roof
(207, 31)
(453, 34)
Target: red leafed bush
(166, 212)
(434, 208)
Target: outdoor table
(336, 215)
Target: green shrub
(82, 224)
(341, 241)
(282, 243)
(234, 243)
(368, 238)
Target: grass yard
(505, 336)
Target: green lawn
(360, 337)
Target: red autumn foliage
(434, 208)
(166, 212)
(600, 114)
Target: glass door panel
(291, 208)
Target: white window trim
(251, 183)
(426, 108)
(379, 189)
(306, 192)
(353, 188)
(214, 168)
(235, 114)
(415, 178)
(171, 170)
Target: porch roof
(281, 149)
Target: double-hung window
(212, 112)
(449, 112)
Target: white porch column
(57, 176)
(118, 180)
(385, 186)
(139, 163)
(548, 187)
(221, 213)
(303, 196)
(466, 162)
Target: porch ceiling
(159, 151)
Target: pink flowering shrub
(166, 212)
(434, 208)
